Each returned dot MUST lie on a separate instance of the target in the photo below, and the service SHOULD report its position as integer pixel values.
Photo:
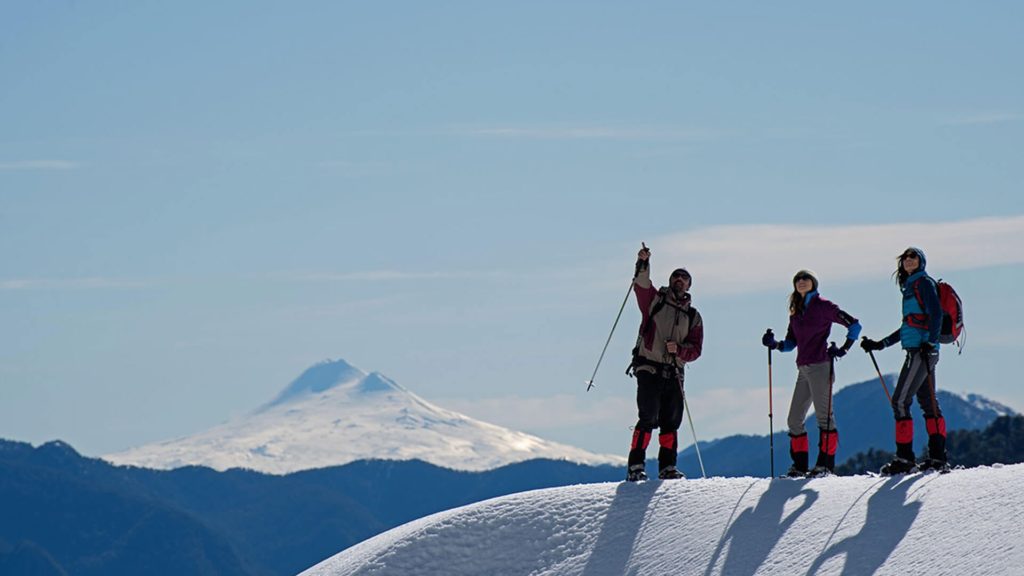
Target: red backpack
(952, 314)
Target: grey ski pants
(813, 384)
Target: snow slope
(334, 414)
(965, 522)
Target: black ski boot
(934, 465)
(898, 466)
(796, 472)
(636, 473)
(670, 473)
(820, 472)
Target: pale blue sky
(199, 200)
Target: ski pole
(696, 444)
(771, 425)
(590, 383)
(931, 383)
(831, 382)
(879, 372)
(693, 431)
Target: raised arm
(642, 286)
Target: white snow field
(964, 523)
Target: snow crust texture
(965, 523)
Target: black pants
(659, 403)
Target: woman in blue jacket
(919, 336)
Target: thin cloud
(718, 412)
(986, 118)
(353, 168)
(38, 165)
(589, 133)
(392, 275)
(544, 413)
(735, 259)
(93, 283)
(369, 276)
(343, 309)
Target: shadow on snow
(889, 518)
(622, 528)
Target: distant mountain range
(864, 420)
(61, 513)
(334, 414)
(64, 514)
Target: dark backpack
(952, 314)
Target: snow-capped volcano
(335, 413)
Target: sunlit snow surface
(965, 523)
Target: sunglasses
(803, 277)
(680, 275)
(909, 255)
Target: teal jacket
(922, 313)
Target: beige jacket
(674, 320)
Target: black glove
(846, 346)
(769, 340)
(869, 345)
(835, 351)
(641, 265)
(927, 347)
(643, 260)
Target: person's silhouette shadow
(757, 530)
(621, 527)
(889, 517)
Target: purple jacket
(808, 332)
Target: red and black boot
(828, 441)
(798, 447)
(903, 462)
(638, 455)
(669, 445)
(936, 445)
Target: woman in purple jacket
(810, 321)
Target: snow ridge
(965, 522)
